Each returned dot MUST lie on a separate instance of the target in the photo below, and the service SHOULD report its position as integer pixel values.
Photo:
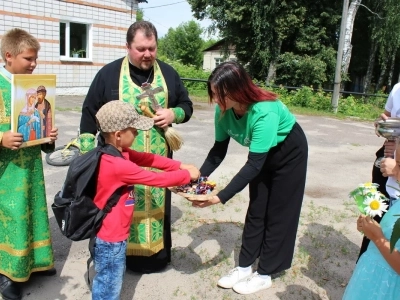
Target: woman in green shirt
(275, 171)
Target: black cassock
(105, 88)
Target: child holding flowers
(377, 272)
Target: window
(218, 61)
(75, 40)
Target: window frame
(89, 33)
(218, 61)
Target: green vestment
(25, 243)
(146, 234)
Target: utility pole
(338, 70)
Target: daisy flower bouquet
(369, 200)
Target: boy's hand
(194, 173)
(12, 140)
(53, 134)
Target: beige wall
(108, 20)
(209, 59)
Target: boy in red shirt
(118, 123)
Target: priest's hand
(163, 117)
(12, 140)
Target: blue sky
(165, 14)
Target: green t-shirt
(262, 127)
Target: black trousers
(378, 178)
(276, 196)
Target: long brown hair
(231, 80)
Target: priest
(133, 79)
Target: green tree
(183, 43)
(139, 15)
(262, 31)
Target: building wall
(109, 20)
(210, 58)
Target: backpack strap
(111, 202)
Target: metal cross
(149, 92)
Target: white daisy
(374, 205)
(368, 187)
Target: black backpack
(74, 210)
(76, 214)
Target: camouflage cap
(118, 115)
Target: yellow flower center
(374, 204)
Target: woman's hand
(213, 200)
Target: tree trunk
(271, 73)
(382, 75)
(272, 66)
(351, 15)
(391, 71)
(371, 65)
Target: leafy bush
(192, 72)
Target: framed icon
(33, 107)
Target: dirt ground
(206, 242)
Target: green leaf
(395, 235)
(360, 203)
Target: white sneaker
(233, 277)
(252, 284)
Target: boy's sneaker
(252, 284)
(233, 277)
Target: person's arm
(94, 99)
(144, 159)
(373, 231)
(130, 173)
(184, 108)
(247, 173)
(214, 157)
(178, 98)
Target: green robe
(146, 234)
(25, 243)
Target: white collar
(5, 72)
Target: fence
(298, 88)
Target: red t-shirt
(116, 171)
